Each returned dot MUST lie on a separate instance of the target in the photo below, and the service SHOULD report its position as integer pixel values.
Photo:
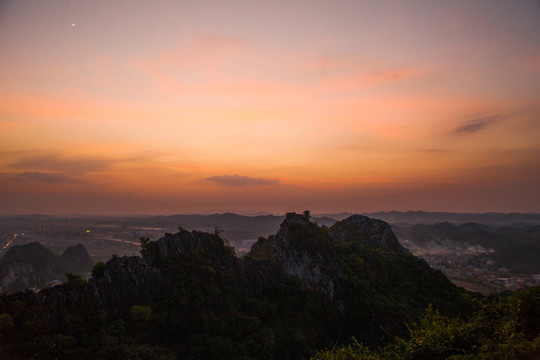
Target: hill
(32, 265)
(516, 248)
(305, 288)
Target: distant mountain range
(514, 247)
(232, 219)
(425, 217)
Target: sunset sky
(162, 107)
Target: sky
(164, 107)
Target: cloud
(476, 125)
(237, 180)
(43, 177)
(58, 163)
(434, 151)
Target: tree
(74, 281)
(218, 231)
(6, 323)
(98, 269)
(140, 313)
(144, 241)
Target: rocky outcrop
(310, 253)
(130, 280)
(125, 281)
(304, 252)
(305, 286)
(173, 245)
(367, 233)
(77, 258)
(28, 251)
(324, 260)
(32, 265)
(24, 273)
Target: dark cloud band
(476, 125)
(42, 177)
(237, 180)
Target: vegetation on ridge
(503, 327)
(189, 296)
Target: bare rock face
(173, 245)
(32, 265)
(126, 281)
(308, 252)
(22, 273)
(356, 271)
(77, 257)
(26, 251)
(367, 233)
(304, 252)
(130, 280)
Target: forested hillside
(304, 289)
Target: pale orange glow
(215, 112)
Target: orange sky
(124, 107)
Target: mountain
(424, 217)
(76, 258)
(514, 247)
(362, 271)
(304, 288)
(33, 266)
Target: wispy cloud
(59, 163)
(237, 180)
(433, 151)
(43, 177)
(476, 125)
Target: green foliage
(218, 231)
(140, 313)
(74, 281)
(98, 269)
(210, 305)
(434, 337)
(353, 351)
(502, 328)
(6, 323)
(144, 241)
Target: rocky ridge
(354, 270)
(33, 266)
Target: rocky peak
(303, 250)
(309, 252)
(125, 281)
(293, 221)
(366, 233)
(32, 265)
(172, 245)
(77, 255)
(29, 250)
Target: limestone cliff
(33, 266)
(366, 233)
(352, 279)
(311, 253)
